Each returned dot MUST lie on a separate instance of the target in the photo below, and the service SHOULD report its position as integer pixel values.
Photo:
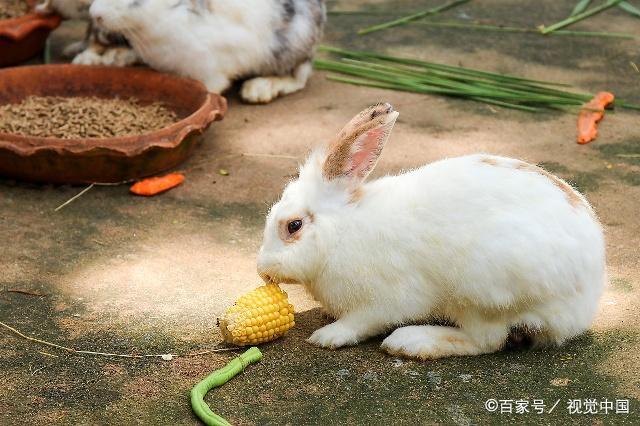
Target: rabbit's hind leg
(431, 342)
(266, 89)
(553, 323)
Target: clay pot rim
(20, 27)
(213, 108)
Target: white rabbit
(98, 47)
(219, 41)
(491, 244)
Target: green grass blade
(387, 72)
(496, 28)
(628, 106)
(409, 18)
(479, 80)
(432, 65)
(474, 84)
(593, 34)
(507, 104)
(579, 17)
(476, 27)
(628, 7)
(580, 7)
(444, 87)
(382, 85)
(359, 12)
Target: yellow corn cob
(262, 315)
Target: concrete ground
(150, 276)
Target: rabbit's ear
(357, 148)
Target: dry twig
(83, 352)
(71, 200)
(26, 292)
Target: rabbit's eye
(294, 226)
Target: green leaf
(411, 75)
(580, 7)
(407, 19)
(628, 7)
(579, 17)
(480, 27)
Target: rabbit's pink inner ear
(354, 153)
(367, 149)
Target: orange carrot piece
(156, 185)
(588, 118)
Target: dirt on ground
(121, 274)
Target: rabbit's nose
(98, 19)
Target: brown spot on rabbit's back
(573, 197)
(490, 161)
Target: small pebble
(343, 372)
(434, 377)
(466, 378)
(370, 375)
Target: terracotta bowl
(24, 37)
(107, 160)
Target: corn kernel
(259, 316)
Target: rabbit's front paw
(333, 336)
(88, 57)
(119, 57)
(115, 56)
(258, 90)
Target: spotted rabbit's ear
(355, 152)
